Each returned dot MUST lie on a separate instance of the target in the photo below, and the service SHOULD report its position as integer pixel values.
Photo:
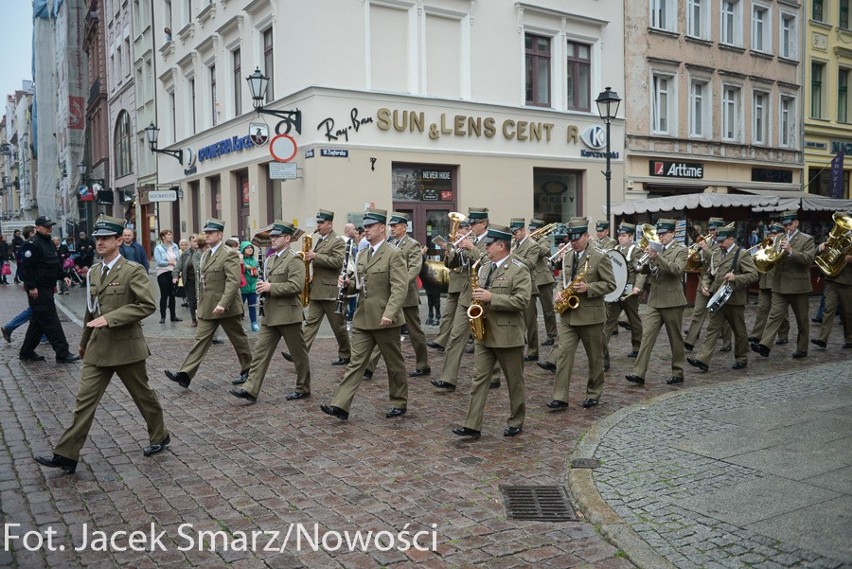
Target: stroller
(76, 270)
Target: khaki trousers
(672, 319)
(545, 297)
(837, 294)
(699, 314)
(569, 338)
(512, 362)
(630, 306)
(734, 317)
(363, 342)
(459, 334)
(447, 317)
(531, 319)
(777, 314)
(267, 342)
(317, 309)
(764, 304)
(233, 328)
(93, 382)
(415, 334)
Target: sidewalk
(233, 468)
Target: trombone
(543, 231)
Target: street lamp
(258, 83)
(153, 133)
(607, 103)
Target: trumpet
(558, 255)
(543, 231)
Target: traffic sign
(283, 148)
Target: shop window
(423, 182)
(556, 194)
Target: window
(843, 20)
(121, 149)
(663, 15)
(537, 50)
(786, 134)
(760, 40)
(697, 18)
(699, 109)
(662, 110)
(214, 103)
(817, 70)
(188, 11)
(268, 62)
(167, 19)
(238, 83)
(817, 13)
(579, 76)
(192, 104)
(843, 95)
(731, 113)
(787, 47)
(731, 22)
(173, 115)
(760, 115)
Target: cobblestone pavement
(234, 468)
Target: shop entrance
(427, 193)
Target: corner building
(418, 106)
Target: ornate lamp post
(608, 102)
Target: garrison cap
(602, 226)
(789, 216)
(715, 223)
(477, 214)
(625, 227)
(398, 217)
(536, 223)
(213, 224)
(666, 225)
(106, 226)
(577, 226)
(498, 233)
(373, 216)
(517, 223)
(44, 221)
(325, 215)
(776, 227)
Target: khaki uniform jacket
(464, 261)
(666, 277)
(745, 271)
(383, 285)
(330, 252)
(219, 284)
(527, 253)
(844, 277)
(793, 270)
(457, 278)
(125, 299)
(505, 315)
(632, 253)
(410, 250)
(541, 274)
(286, 274)
(600, 280)
(709, 265)
(607, 244)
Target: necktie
(490, 274)
(104, 272)
(574, 265)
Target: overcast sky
(16, 40)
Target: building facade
(413, 105)
(94, 195)
(18, 165)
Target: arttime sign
(663, 169)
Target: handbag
(180, 292)
(7, 269)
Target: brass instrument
(307, 243)
(568, 299)
(766, 242)
(475, 313)
(839, 244)
(649, 239)
(439, 271)
(766, 257)
(543, 231)
(693, 258)
(455, 220)
(559, 253)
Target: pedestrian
(131, 250)
(219, 304)
(17, 243)
(186, 272)
(119, 298)
(40, 270)
(86, 249)
(64, 254)
(5, 259)
(432, 287)
(248, 291)
(166, 255)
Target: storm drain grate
(538, 503)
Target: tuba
(766, 257)
(568, 299)
(649, 239)
(455, 220)
(475, 312)
(307, 243)
(839, 244)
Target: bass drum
(619, 268)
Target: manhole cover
(538, 503)
(585, 463)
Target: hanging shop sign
(665, 169)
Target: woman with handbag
(166, 256)
(185, 272)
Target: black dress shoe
(465, 432)
(780, 342)
(512, 431)
(66, 464)
(67, 359)
(589, 403)
(443, 384)
(615, 332)
(548, 366)
(530, 358)
(337, 362)
(753, 339)
(395, 412)
(634, 379)
(819, 343)
(217, 341)
(816, 320)
(293, 395)
(179, 377)
(368, 374)
(633, 354)
(674, 380)
(625, 325)
(241, 393)
(242, 379)
(176, 319)
(335, 412)
(697, 363)
(548, 342)
(163, 320)
(798, 355)
(557, 404)
(420, 372)
(606, 367)
(157, 447)
(436, 346)
(725, 349)
(494, 385)
(760, 349)
(32, 357)
(688, 347)
(287, 356)
(7, 334)
(847, 346)
(739, 365)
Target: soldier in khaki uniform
(838, 291)
(708, 251)
(737, 269)
(543, 280)
(454, 287)
(504, 292)
(219, 304)
(326, 258)
(281, 290)
(381, 277)
(791, 286)
(588, 272)
(604, 241)
(629, 300)
(527, 251)
(764, 300)
(665, 303)
(118, 298)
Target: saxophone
(307, 243)
(568, 299)
(475, 312)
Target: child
(249, 290)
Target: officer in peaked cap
(543, 280)
(764, 299)
(528, 252)
(605, 242)
(629, 299)
(709, 251)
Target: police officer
(40, 269)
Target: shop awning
(804, 200)
(757, 200)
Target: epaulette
(132, 263)
(293, 253)
(600, 250)
(392, 246)
(519, 263)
